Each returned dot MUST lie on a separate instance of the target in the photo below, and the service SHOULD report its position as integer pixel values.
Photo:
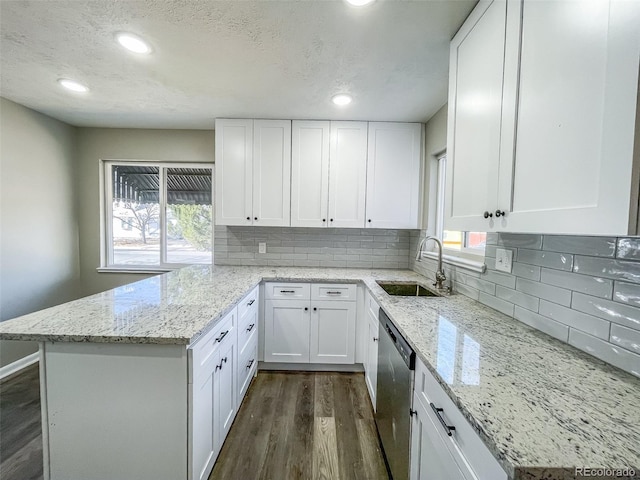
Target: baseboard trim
(311, 367)
(19, 364)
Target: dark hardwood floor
(294, 425)
(21, 426)
(303, 425)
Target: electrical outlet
(504, 260)
(262, 247)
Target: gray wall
(38, 229)
(94, 144)
(312, 247)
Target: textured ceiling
(255, 59)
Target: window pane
(452, 240)
(476, 240)
(135, 215)
(189, 215)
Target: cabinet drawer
(333, 291)
(203, 350)
(287, 290)
(371, 306)
(464, 444)
(246, 368)
(247, 303)
(247, 330)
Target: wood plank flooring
(21, 426)
(303, 425)
(294, 425)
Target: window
(157, 216)
(470, 243)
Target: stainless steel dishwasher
(396, 363)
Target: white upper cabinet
(556, 153)
(309, 173)
(393, 175)
(347, 174)
(234, 172)
(253, 172)
(475, 101)
(575, 119)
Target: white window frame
(106, 215)
(470, 258)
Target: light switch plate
(504, 260)
(262, 247)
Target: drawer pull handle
(219, 367)
(448, 428)
(251, 302)
(287, 291)
(222, 335)
(249, 364)
(413, 412)
(334, 293)
(250, 327)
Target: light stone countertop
(541, 406)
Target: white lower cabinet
(371, 354)
(310, 324)
(222, 364)
(332, 333)
(430, 457)
(437, 452)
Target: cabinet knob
(255, 218)
(487, 214)
(375, 339)
(324, 219)
(306, 309)
(315, 309)
(500, 213)
(331, 219)
(248, 218)
(369, 220)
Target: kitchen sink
(407, 289)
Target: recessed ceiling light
(359, 3)
(133, 43)
(73, 85)
(341, 99)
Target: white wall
(39, 261)
(435, 135)
(94, 144)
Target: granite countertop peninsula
(541, 406)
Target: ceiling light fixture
(73, 85)
(341, 99)
(133, 43)
(359, 3)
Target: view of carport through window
(146, 197)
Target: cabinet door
(371, 362)
(286, 331)
(576, 110)
(309, 173)
(430, 457)
(393, 175)
(347, 174)
(203, 440)
(234, 172)
(225, 392)
(475, 114)
(272, 173)
(333, 332)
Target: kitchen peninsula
(115, 375)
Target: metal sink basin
(407, 289)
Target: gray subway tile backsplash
(559, 261)
(581, 290)
(592, 246)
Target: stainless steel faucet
(440, 276)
